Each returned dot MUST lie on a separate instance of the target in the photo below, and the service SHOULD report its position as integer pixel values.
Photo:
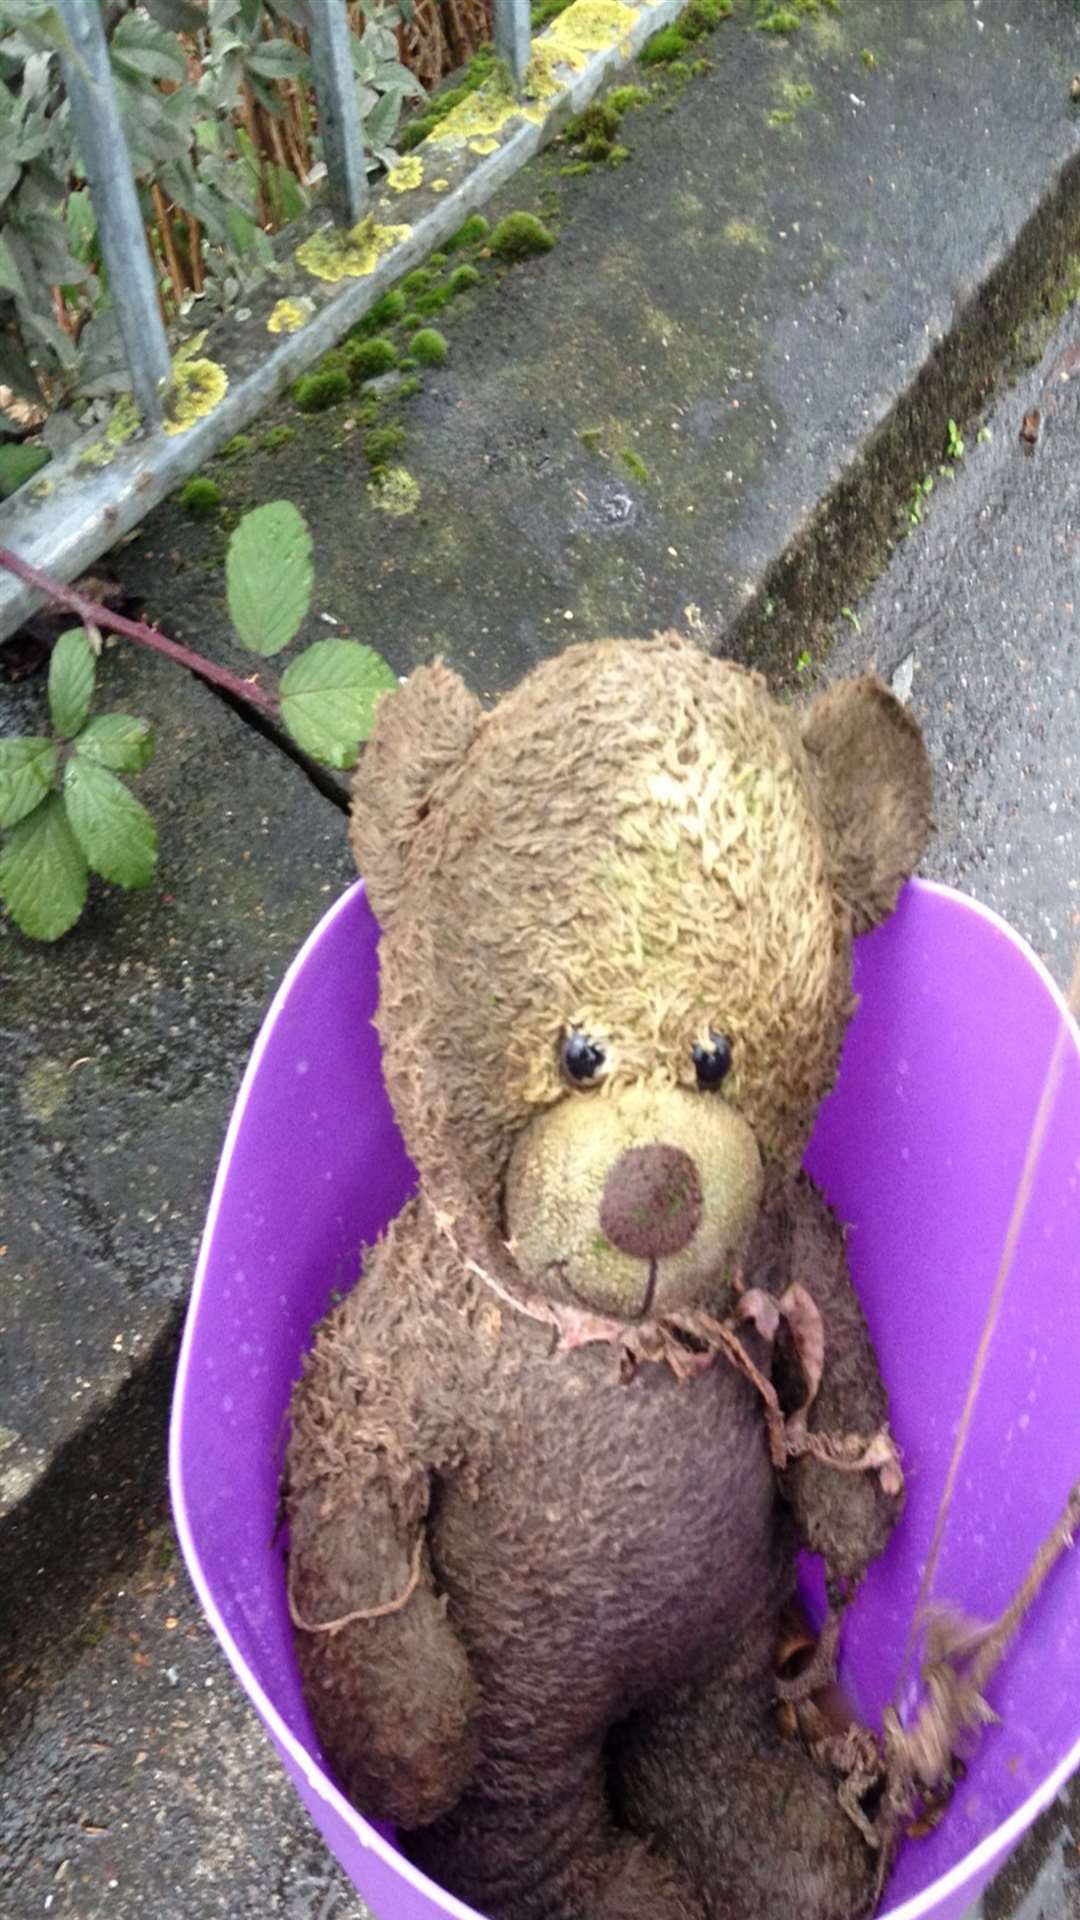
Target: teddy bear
(540, 1535)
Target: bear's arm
(373, 1423)
(845, 1517)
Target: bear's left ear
(876, 791)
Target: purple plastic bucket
(920, 1148)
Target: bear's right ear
(420, 733)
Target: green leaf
(140, 47)
(329, 696)
(71, 681)
(10, 277)
(180, 16)
(269, 576)
(16, 371)
(119, 741)
(43, 875)
(19, 464)
(27, 767)
(276, 60)
(113, 829)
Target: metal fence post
(95, 111)
(513, 37)
(339, 120)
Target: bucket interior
(919, 1148)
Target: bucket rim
(974, 1867)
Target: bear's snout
(651, 1204)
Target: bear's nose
(651, 1203)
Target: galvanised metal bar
(339, 121)
(513, 37)
(95, 111)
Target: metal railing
(62, 524)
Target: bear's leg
(550, 1851)
(746, 1814)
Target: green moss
(574, 168)
(617, 156)
(366, 411)
(414, 131)
(462, 279)
(429, 347)
(519, 236)
(702, 16)
(479, 69)
(438, 261)
(780, 117)
(416, 282)
(381, 446)
(623, 99)
(366, 359)
(201, 497)
(276, 437)
(408, 387)
(240, 447)
(634, 464)
(592, 438)
(411, 322)
(679, 70)
(471, 233)
(600, 120)
(407, 363)
(394, 491)
(795, 93)
(545, 11)
(434, 302)
(314, 392)
(669, 44)
(869, 59)
(387, 310)
(780, 20)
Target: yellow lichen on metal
(484, 145)
(407, 175)
(588, 26)
(439, 186)
(290, 315)
(331, 254)
(123, 422)
(196, 388)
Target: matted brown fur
(565, 1698)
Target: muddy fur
(564, 1697)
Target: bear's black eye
(582, 1059)
(713, 1062)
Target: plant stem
(249, 691)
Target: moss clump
(600, 121)
(366, 411)
(471, 233)
(667, 45)
(437, 261)
(624, 99)
(780, 20)
(592, 438)
(408, 387)
(546, 10)
(381, 446)
(462, 279)
(276, 437)
(388, 309)
(435, 301)
(411, 322)
(366, 359)
(240, 447)
(521, 235)
(315, 392)
(394, 491)
(201, 497)
(416, 282)
(429, 347)
(634, 464)
(575, 167)
(617, 156)
(869, 59)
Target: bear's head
(617, 917)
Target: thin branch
(91, 612)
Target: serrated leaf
(43, 876)
(113, 829)
(27, 768)
(180, 16)
(141, 47)
(71, 681)
(276, 60)
(268, 576)
(329, 695)
(117, 740)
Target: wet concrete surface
(135, 1780)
